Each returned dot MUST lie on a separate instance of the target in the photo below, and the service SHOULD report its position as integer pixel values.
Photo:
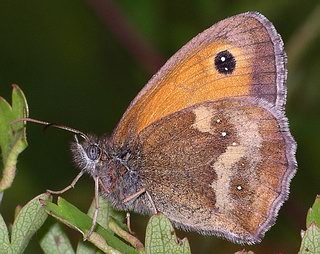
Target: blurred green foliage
(76, 70)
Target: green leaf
(29, 220)
(102, 238)
(105, 211)
(311, 240)
(313, 215)
(161, 238)
(56, 241)
(113, 220)
(12, 136)
(5, 246)
(86, 248)
(311, 237)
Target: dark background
(81, 62)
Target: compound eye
(93, 152)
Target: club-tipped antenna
(47, 124)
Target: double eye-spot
(224, 62)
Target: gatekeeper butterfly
(206, 142)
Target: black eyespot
(93, 152)
(225, 62)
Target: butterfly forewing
(194, 74)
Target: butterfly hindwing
(228, 161)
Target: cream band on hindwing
(249, 142)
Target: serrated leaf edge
(20, 244)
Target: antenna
(47, 125)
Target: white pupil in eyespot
(222, 59)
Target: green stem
(100, 243)
(125, 235)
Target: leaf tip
(15, 86)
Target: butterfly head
(90, 154)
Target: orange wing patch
(196, 80)
(193, 80)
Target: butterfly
(206, 142)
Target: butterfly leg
(129, 223)
(155, 211)
(105, 189)
(96, 210)
(137, 194)
(73, 183)
(134, 195)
